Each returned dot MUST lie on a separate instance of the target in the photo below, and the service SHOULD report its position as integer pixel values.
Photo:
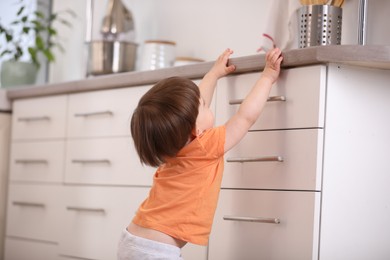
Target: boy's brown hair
(164, 119)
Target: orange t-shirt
(185, 190)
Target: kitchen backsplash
(201, 28)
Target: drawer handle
(252, 219)
(81, 209)
(97, 113)
(33, 118)
(256, 159)
(28, 204)
(84, 161)
(31, 161)
(270, 99)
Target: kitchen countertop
(371, 56)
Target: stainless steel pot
(107, 57)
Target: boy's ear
(196, 131)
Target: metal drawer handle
(85, 161)
(253, 219)
(28, 204)
(74, 257)
(33, 118)
(81, 209)
(97, 113)
(31, 161)
(256, 159)
(270, 99)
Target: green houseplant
(34, 35)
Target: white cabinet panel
(242, 235)
(107, 161)
(34, 211)
(356, 196)
(194, 252)
(94, 217)
(38, 118)
(5, 130)
(302, 88)
(103, 113)
(37, 161)
(289, 159)
(19, 249)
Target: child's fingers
(273, 55)
(230, 68)
(279, 61)
(227, 53)
(224, 57)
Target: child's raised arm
(219, 69)
(251, 107)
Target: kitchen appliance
(113, 53)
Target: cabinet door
(19, 249)
(94, 217)
(37, 161)
(34, 211)
(296, 101)
(106, 161)
(288, 159)
(38, 118)
(103, 113)
(256, 225)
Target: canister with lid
(158, 54)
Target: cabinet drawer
(103, 113)
(111, 161)
(244, 225)
(34, 211)
(287, 159)
(19, 249)
(39, 118)
(94, 218)
(298, 99)
(37, 161)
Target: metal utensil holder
(319, 25)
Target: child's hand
(220, 67)
(273, 60)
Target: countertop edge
(5, 104)
(374, 56)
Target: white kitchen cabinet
(102, 113)
(75, 177)
(283, 159)
(35, 177)
(37, 161)
(296, 101)
(255, 225)
(328, 123)
(355, 196)
(94, 217)
(39, 118)
(270, 200)
(105, 161)
(34, 211)
(344, 166)
(21, 249)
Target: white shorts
(138, 248)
